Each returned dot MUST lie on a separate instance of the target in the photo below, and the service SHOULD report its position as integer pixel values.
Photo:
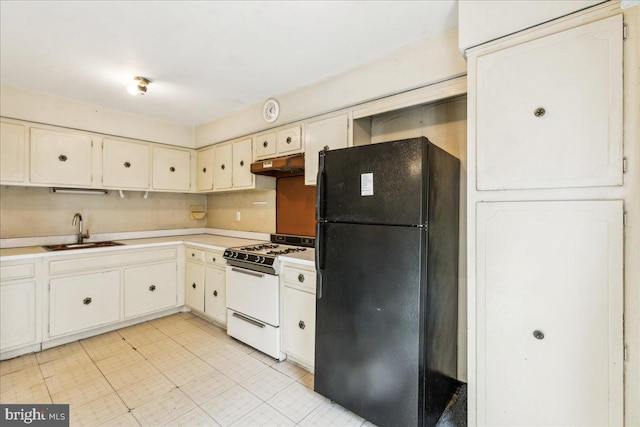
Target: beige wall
(34, 212)
(257, 211)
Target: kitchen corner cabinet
(332, 132)
(20, 308)
(61, 158)
(150, 288)
(125, 165)
(549, 320)
(298, 286)
(549, 111)
(12, 153)
(205, 283)
(204, 173)
(171, 169)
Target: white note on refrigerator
(366, 184)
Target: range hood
(279, 167)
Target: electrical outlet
(238, 216)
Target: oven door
(253, 294)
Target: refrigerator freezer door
(369, 322)
(375, 184)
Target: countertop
(306, 257)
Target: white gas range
(253, 291)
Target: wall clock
(270, 110)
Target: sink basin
(88, 245)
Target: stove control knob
(246, 257)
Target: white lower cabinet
(549, 313)
(299, 314)
(194, 285)
(150, 288)
(215, 301)
(18, 324)
(83, 302)
(205, 283)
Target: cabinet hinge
(626, 353)
(625, 31)
(624, 164)
(624, 219)
(102, 144)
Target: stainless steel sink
(88, 245)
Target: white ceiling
(206, 59)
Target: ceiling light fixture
(139, 86)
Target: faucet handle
(87, 235)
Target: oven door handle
(250, 273)
(248, 320)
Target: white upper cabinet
(12, 149)
(125, 164)
(265, 145)
(549, 111)
(223, 164)
(289, 140)
(60, 158)
(332, 132)
(171, 169)
(242, 155)
(204, 173)
(549, 313)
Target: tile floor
(177, 371)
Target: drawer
(18, 271)
(265, 145)
(102, 261)
(215, 259)
(259, 335)
(299, 278)
(194, 254)
(289, 140)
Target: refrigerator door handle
(320, 186)
(319, 252)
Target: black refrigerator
(387, 279)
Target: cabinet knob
(62, 158)
(300, 277)
(172, 169)
(127, 164)
(288, 140)
(193, 286)
(265, 144)
(538, 334)
(301, 324)
(213, 259)
(152, 288)
(86, 301)
(204, 170)
(192, 254)
(539, 112)
(222, 166)
(215, 293)
(241, 162)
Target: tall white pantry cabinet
(546, 201)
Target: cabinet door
(265, 145)
(204, 175)
(194, 285)
(332, 133)
(289, 140)
(242, 155)
(12, 152)
(59, 158)
(17, 315)
(171, 169)
(215, 299)
(149, 288)
(82, 302)
(125, 164)
(299, 325)
(223, 164)
(549, 112)
(549, 307)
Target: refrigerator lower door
(370, 329)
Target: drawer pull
(288, 140)
(248, 320)
(301, 324)
(62, 158)
(86, 301)
(193, 286)
(172, 169)
(265, 144)
(215, 293)
(301, 278)
(250, 273)
(539, 335)
(127, 164)
(539, 112)
(152, 288)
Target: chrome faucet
(77, 218)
